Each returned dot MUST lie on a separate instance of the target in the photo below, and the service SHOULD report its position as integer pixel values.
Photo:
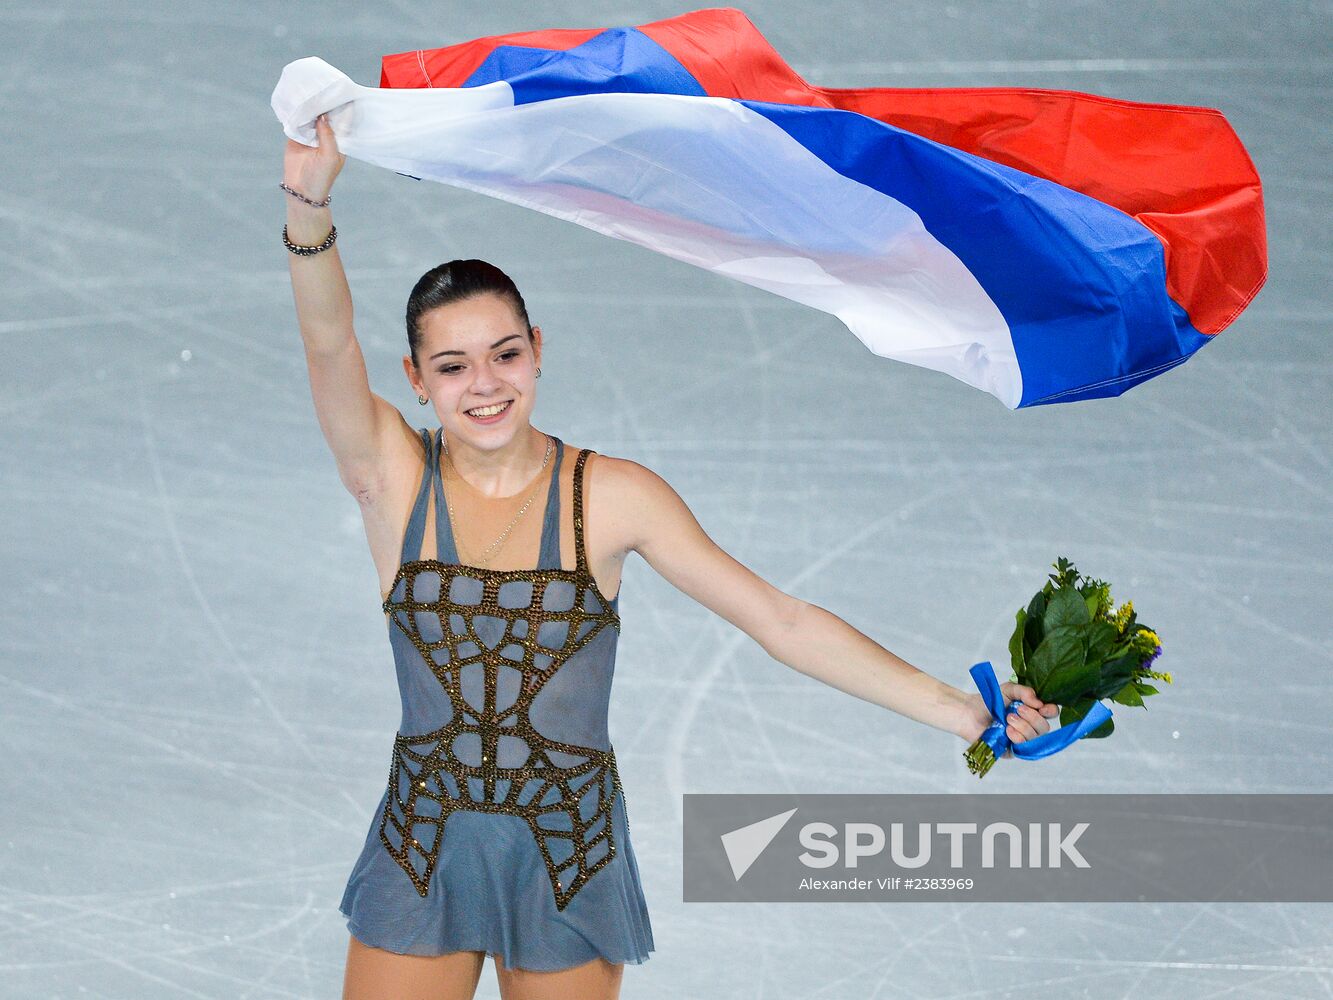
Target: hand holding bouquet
(1070, 648)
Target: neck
(502, 471)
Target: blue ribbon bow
(1039, 746)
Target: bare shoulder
(649, 517)
(622, 478)
(630, 498)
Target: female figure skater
(503, 829)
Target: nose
(486, 380)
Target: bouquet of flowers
(1073, 650)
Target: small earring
(422, 400)
(539, 371)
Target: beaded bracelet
(308, 251)
(300, 197)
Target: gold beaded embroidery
(438, 783)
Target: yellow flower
(1149, 634)
(1104, 602)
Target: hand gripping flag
(1045, 246)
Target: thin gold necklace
(489, 555)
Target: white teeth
(488, 411)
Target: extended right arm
(356, 422)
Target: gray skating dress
(503, 827)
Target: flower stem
(980, 757)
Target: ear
(537, 344)
(412, 378)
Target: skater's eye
(454, 369)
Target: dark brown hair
(455, 281)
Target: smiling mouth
(495, 413)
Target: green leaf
(1065, 572)
(1116, 674)
(1016, 657)
(1069, 682)
(1056, 664)
(1037, 606)
(1033, 631)
(1102, 638)
(1092, 598)
(1066, 607)
(1127, 695)
(1145, 689)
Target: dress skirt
(491, 892)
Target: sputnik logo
(744, 845)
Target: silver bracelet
(300, 197)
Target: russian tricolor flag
(1046, 246)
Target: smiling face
(475, 353)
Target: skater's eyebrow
(440, 354)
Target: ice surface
(197, 700)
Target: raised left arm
(811, 640)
